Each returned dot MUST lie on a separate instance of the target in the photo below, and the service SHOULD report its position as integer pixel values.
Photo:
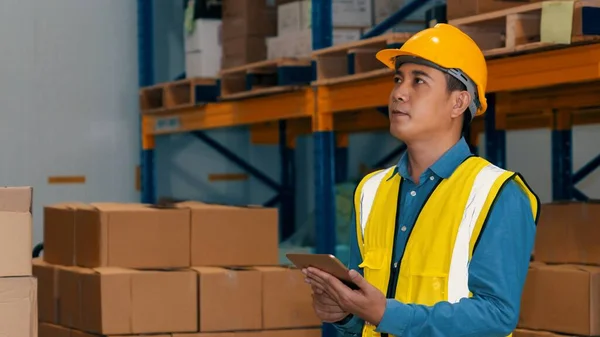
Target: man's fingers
(357, 279)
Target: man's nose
(400, 92)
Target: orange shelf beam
(293, 105)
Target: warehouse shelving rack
(553, 89)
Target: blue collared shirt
(497, 270)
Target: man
(443, 239)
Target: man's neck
(423, 154)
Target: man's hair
(453, 84)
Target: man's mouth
(397, 112)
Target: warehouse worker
(443, 239)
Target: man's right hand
(326, 308)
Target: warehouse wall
(69, 98)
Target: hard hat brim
(388, 56)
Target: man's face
(419, 106)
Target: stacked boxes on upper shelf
(562, 291)
(174, 270)
(294, 33)
(463, 8)
(18, 288)
(202, 33)
(246, 25)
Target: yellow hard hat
(450, 50)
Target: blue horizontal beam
(395, 18)
(588, 168)
(237, 160)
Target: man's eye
(419, 81)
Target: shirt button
(403, 228)
(431, 178)
(413, 193)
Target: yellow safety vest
(434, 266)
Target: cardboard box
(291, 333)
(286, 299)
(205, 63)
(76, 333)
(384, 8)
(18, 312)
(271, 333)
(230, 299)
(293, 17)
(52, 330)
(119, 301)
(536, 333)
(463, 8)
(248, 18)
(562, 298)
(568, 233)
(132, 236)
(203, 49)
(15, 231)
(352, 13)
(299, 43)
(233, 236)
(47, 294)
(243, 50)
(59, 233)
(297, 15)
(205, 36)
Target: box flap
(267, 269)
(571, 267)
(69, 205)
(209, 270)
(39, 261)
(115, 271)
(16, 199)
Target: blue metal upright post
(324, 142)
(324, 147)
(146, 78)
(495, 138)
(288, 182)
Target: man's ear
(461, 103)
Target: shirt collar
(444, 166)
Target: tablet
(325, 262)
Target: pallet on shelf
(178, 94)
(533, 27)
(265, 77)
(353, 60)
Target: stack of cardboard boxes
(247, 31)
(294, 33)
(202, 38)
(462, 8)
(246, 25)
(187, 270)
(562, 291)
(18, 312)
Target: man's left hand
(367, 302)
